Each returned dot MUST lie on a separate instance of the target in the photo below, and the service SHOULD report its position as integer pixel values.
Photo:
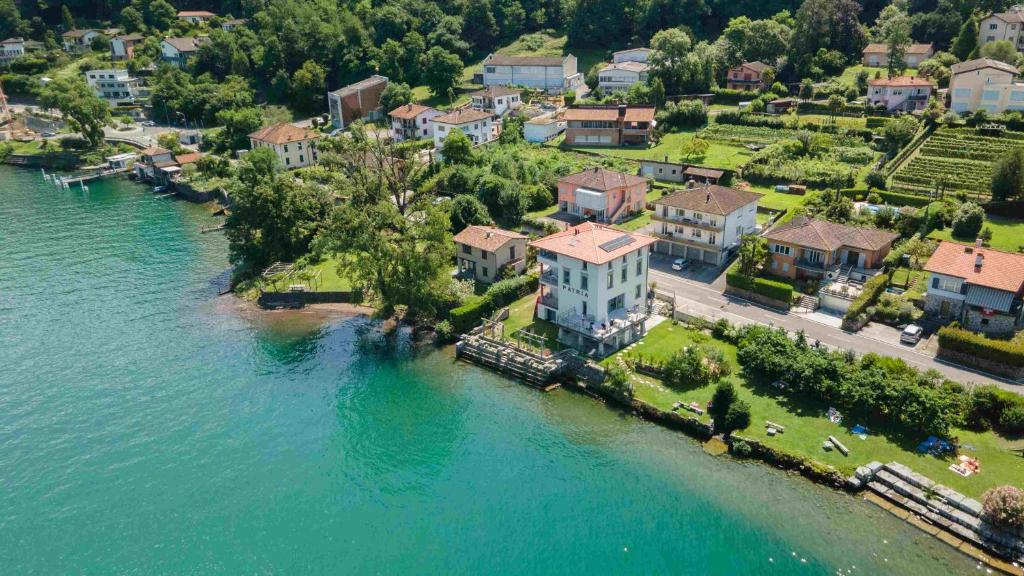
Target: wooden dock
(538, 369)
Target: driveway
(699, 298)
(697, 272)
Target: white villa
(554, 74)
(476, 124)
(631, 55)
(593, 286)
(11, 49)
(115, 86)
(79, 40)
(987, 84)
(704, 224)
(295, 147)
(1003, 26)
(497, 100)
(177, 51)
(412, 122)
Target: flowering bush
(1004, 506)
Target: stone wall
(754, 297)
(300, 299)
(1011, 372)
(998, 324)
(933, 305)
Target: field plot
(958, 160)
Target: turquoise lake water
(148, 426)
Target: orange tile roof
(409, 111)
(487, 237)
(828, 236)
(900, 81)
(584, 242)
(154, 151)
(611, 113)
(462, 116)
(283, 133)
(999, 270)
(602, 180)
(712, 199)
(188, 158)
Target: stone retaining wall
(1011, 372)
(300, 299)
(755, 297)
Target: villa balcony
(549, 299)
(617, 321)
(812, 266)
(702, 224)
(687, 240)
(549, 276)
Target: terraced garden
(956, 160)
(742, 135)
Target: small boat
(159, 189)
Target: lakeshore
(250, 440)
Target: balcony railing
(679, 237)
(805, 263)
(550, 300)
(689, 221)
(547, 255)
(549, 277)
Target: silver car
(911, 334)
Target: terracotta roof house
(123, 47)
(980, 287)
(230, 25)
(609, 125)
(593, 286)
(149, 164)
(810, 248)
(622, 75)
(295, 147)
(484, 253)
(877, 55)
(178, 51)
(601, 195)
(477, 125)
(79, 40)
(903, 93)
(412, 121)
(357, 101)
(704, 224)
(1007, 26)
(11, 49)
(746, 76)
(196, 16)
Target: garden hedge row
(873, 288)
(774, 289)
(466, 317)
(725, 96)
(957, 339)
(893, 198)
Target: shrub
(737, 417)
(444, 331)
(618, 380)
(872, 289)
(466, 317)
(875, 179)
(968, 220)
(685, 114)
(1012, 419)
(774, 289)
(741, 449)
(1003, 506)
(957, 339)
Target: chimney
(708, 199)
(575, 231)
(979, 260)
(666, 158)
(408, 106)
(978, 242)
(622, 110)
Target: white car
(680, 263)
(911, 334)
(147, 123)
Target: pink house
(905, 93)
(601, 195)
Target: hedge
(895, 256)
(894, 198)
(466, 317)
(774, 289)
(724, 96)
(957, 339)
(873, 288)
(875, 121)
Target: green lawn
(718, 156)
(636, 222)
(841, 121)
(849, 76)
(777, 200)
(915, 282)
(320, 277)
(1007, 234)
(807, 428)
(545, 212)
(520, 316)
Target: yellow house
(985, 84)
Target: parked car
(147, 123)
(680, 264)
(911, 334)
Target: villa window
(584, 282)
(611, 279)
(637, 295)
(467, 249)
(780, 249)
(623, 275)
(566, 276)
(616, 303)
(511, 252)
(639, 266)
(485, 272)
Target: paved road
(707, 300)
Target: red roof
(486, 237)
(409, 111)
(900, 81)
(999, 270)
(602, 180)
(611, 113)
(593, 243)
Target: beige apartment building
(483, 251)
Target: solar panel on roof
(613, 245)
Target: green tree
(457, 148)
(170, 141)
(481, 29)
(1002, 50)
(753, 253)
(66, 18)
(899, 132)
(657, 93)
(836, 105)
(82, 108)
(1008, 175)
(618, 380)
(441, 70)
(737, 417)
(11, 22)
(394, 95)
(829, 24)
(967, 41)
(466, 210)
(131, 20)
(967, 221)
(722, 401)
(390, 57)
(159, 14)
(309, 87)
(275, 220)
(695, 147)
(893, 29)
(237, 125)
(806, 89)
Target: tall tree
(309, 87)
(893, 29)
(481, 29)
(441, 70)
(829, 24)
(967, 41)
(85, 111)
(1008, 176)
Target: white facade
(114, 86)
(11, 49)
(555, 75)
(588, 299)
(293, 154)
(479, 131)
(621, 76)
(413, 125)
(81, 41)
(974, 85)
(1003, 26)
(631, 55)
(542, 128)
(703, 237)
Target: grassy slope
(849, 76)
(520, 316)
(807, 428)
(718, 156)
(1007, 234)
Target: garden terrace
(763, 135)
